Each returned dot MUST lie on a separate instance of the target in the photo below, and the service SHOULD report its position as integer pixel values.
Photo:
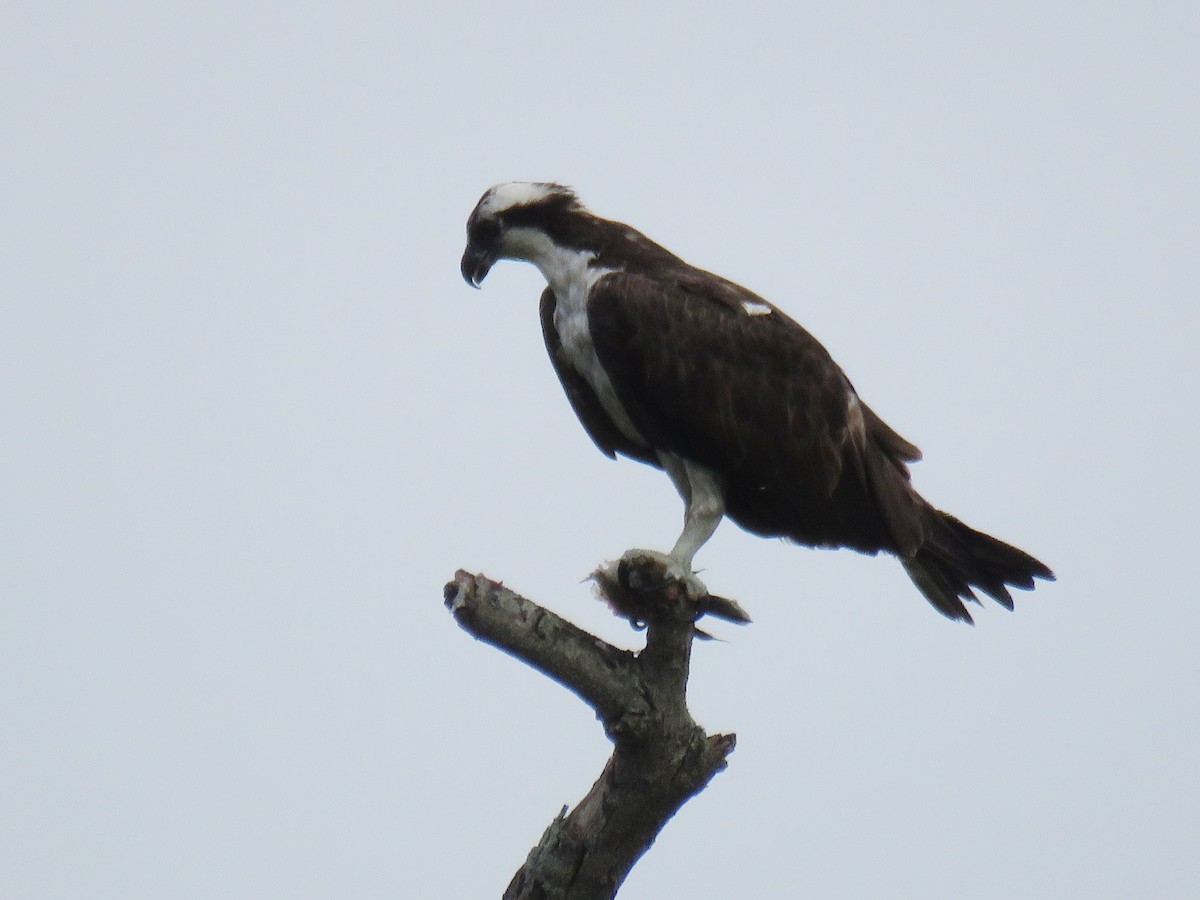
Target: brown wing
(705, 372)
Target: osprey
(743, 409)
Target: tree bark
(661, 757)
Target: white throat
(562, 267)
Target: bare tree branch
(661, 757)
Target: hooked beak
(477, 261)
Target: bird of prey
(745, 411)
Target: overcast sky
(252, 420)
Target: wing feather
(703, 372)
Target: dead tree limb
(661, 757)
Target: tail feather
(955, 558)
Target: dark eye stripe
(486, 231)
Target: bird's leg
(702, 514)
(704, 507)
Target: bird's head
(523, 220)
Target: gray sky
(254, 420)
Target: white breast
(571, 323)
(570, 276)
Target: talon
(624, 583)
(672, 570)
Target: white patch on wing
(854, 419)
(856, 430)
(755, 309)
